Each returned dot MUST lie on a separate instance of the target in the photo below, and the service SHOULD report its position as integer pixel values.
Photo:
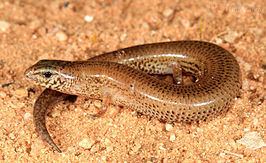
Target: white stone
(61, 36)
(252, 140)
(27, 116)
(88, 18)
(86, 143)
(4, 26)
(172, 137)
(168, 12)
(168, 127)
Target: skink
(123, 76)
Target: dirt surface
(76, 30)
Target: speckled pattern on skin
(123, 75)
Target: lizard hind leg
(106, 102)
(177, 73)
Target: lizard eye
(47, 74)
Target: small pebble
(186, 23)
(2, 94)
(107, 142)
(103, 159)
(168, 12)
(257, 31)
(218, 40)
(21, 92)
(222, 154)
(12, 136)
(246, 129)
(34, 36)
(245, 85)
(162, 147)
(252, 88)
(168, 127)
(252, 140)
(4, 26)
(135, 149)
(145, 25)
(255, 121)
(88, 18)
(123, 37)
(86, 144)
(61, 36)
(109, 149)
(231, 36)
(27, 116)
(247, 67)
(35, 24)
(172, 137)
(95, 148)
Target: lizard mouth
(29, 74)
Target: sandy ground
(76, 30)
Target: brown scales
(123, 75)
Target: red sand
(33, 30)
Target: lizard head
(49, 73)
